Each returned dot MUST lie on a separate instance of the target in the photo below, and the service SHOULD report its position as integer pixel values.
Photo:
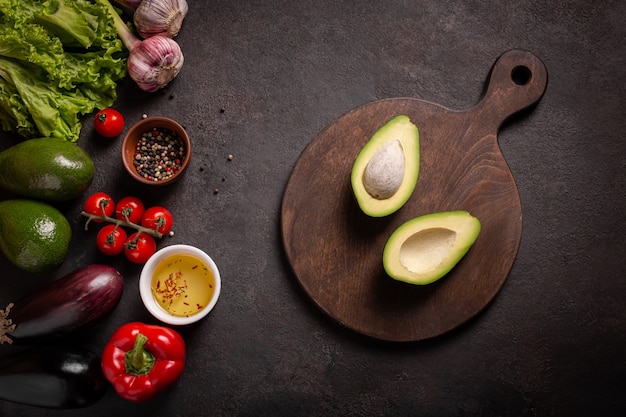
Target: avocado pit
(384, 172)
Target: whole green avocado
(34, 236)
(50, 169)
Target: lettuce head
(59, 60)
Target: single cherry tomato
(139, 247)
(130, 209)
(111, 240)
(157, 218)
(109, 122)
(99, 204)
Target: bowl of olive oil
(180, 284)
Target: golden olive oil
(182, 285)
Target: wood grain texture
(335, 250)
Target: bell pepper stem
(138, 360)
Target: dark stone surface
(261, 79)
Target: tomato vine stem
(118, 222)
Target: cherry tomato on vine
(109, 123)
(157, 218)
(111, 240)
(130, 209)
(139, 247)
(99, 204)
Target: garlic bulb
(154, 62)
(160, 17)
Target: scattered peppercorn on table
(260, 81)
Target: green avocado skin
(398, 128)
(50, 169)
(34, 236)
(415, 239)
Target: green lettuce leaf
(64, 19)
(53, 112)
(59, 60)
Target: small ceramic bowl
(180, 284)
(177, 163)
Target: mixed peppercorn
(159, 154)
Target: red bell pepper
(142, 360)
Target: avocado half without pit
(426, 248)
(385, 172)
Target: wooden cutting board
(335, 250)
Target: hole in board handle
(521, 75)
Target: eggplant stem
(6, 325)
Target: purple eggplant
(52, 377)
(80, 298)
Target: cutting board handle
(518, 79)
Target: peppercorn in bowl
(156, 150)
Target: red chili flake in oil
(175, 287)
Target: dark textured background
(551, 343)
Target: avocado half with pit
(426, 248)
(385, 172)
